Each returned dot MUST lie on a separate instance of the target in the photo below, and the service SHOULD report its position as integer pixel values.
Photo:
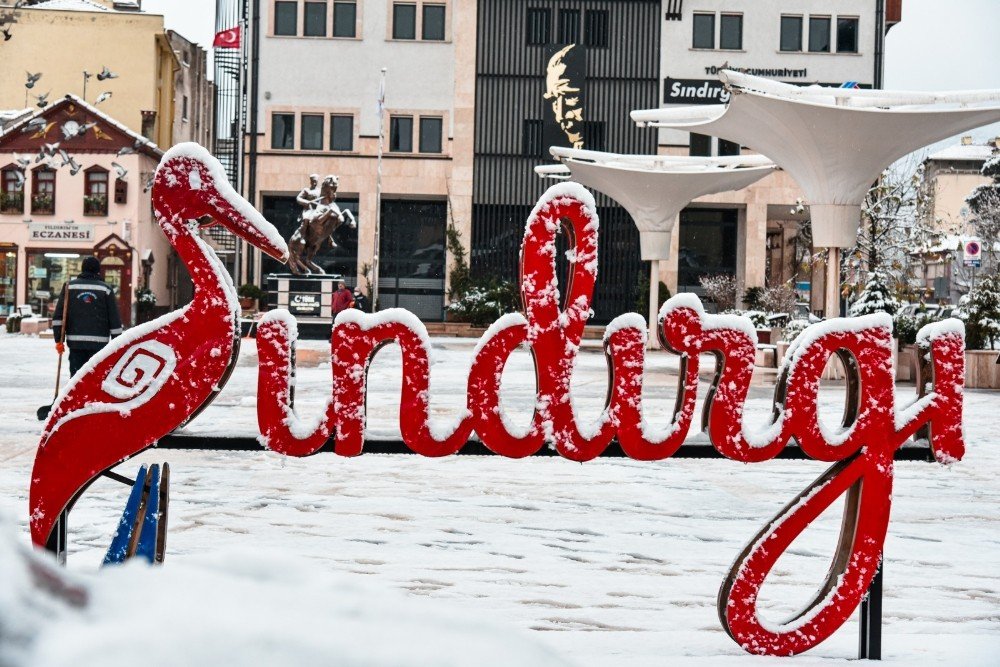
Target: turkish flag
(227, 39)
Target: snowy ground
(610, 562)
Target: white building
(753, 232)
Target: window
(847, 35)
(701, 145)
(728, 147)
(184, 108)
(704, 31)
(12, 192)
(341, 133)
(531, 138)
(315, 19)
(819, 34)
(345, 18)
(539, 26)
(283, 130)
(430, 135)
(569, 26)
(401, 134)
(95, 191)
(312, 133)
(594, 135)
(286, 18)
(404, 21)
(791, 33)
(43, 191)
(433, 23)
(731, 31)
(595, 28)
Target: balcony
(12, 202)
(95, 205)
(43, 204)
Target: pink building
(73, 182)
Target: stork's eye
(206, 221)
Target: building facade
(193, 93)
(319, 84)
(55, 212)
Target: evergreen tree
(984, 206)
(875, 297)
(980, 309)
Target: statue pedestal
(308, 297)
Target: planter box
(981, 369)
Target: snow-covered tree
(980, 309)
(984, 209)
(876, 297)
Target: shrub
(980, 310)
(484, 301)
(753, 298)
(250, 291)
(780, 299)
(793, 329)
(721, 289)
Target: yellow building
(62, 39)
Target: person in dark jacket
(360, 300)
(92, 318)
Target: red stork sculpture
(158, 375)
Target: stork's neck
(212, 285)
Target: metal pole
(831, 305)
(654, 301)
(378, 194)
(870, 620)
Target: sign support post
(870, 620)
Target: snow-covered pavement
(609, 562)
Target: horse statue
(320, 218)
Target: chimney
(967, 140)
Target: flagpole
(378, 193)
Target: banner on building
(694, 91)
(565, 82)
(61, 232)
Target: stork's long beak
(194, 175)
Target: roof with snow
(54, 112)
(72, 6)
(977, 152)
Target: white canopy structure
(654, 189)
(834, 142)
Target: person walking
(91, 319)
(342, 299)
(360, 300)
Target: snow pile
(237, 609)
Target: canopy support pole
(654, 304)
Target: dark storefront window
(531, 138)
(283, 130)
(404, 21)
(312, 133)
(819, 34)
(345, 18)
(704, 31)
(433, 23)
(315, 19)
(47, 272)
(707, 246)
(286, 18)
(401, 134)
(539, 26)
(412, 264)
(43, 191)
(791, 33)
(731, 31)
(283, 213)
(847, 35)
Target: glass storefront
(8, 279)
(707, 246)
(47, 273)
